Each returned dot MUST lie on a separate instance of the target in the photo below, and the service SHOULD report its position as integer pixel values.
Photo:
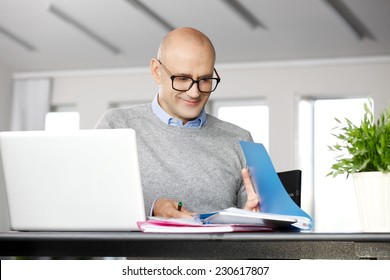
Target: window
(335, 206)
(251, 115)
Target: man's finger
(250, 190)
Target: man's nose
(194, 91)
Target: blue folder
(273, 195)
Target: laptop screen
(82, 180)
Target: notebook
(85, 180)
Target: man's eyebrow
(206, 76)
(183, 75)
(191, 76)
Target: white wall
(5, 112)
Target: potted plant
(365, 153)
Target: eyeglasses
(184, 83)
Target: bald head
(185, 39)
(186, 53)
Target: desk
(139, 245)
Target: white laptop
(85, 180)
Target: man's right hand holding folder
(253, 201)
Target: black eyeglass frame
(172, 77)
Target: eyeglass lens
(185, 83)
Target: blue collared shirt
(167, 119)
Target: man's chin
(190, 115)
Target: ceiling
(41, 35)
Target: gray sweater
(200, 167)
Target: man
(185, 154)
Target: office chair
(291, 181)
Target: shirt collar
(167, 119)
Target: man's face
(197, 63)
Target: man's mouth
(191, 102)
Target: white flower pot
(373, 199)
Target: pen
(179, 205)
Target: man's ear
(155, 70)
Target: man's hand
(167, 208)
(252, 202)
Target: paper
(194, 225)
(274, 197)
(241, 216)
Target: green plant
(365, 147)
